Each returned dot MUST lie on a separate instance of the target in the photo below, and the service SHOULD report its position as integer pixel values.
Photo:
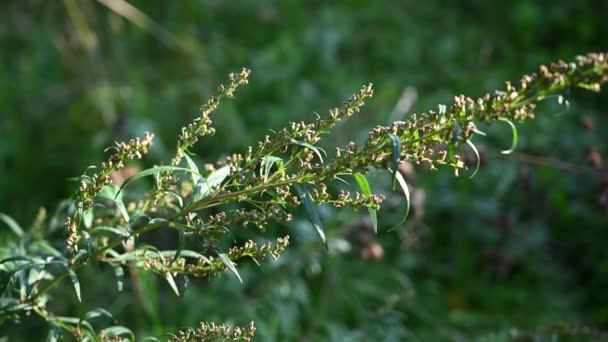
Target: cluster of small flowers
(201, 126)
(344, 199)
(258, 217)
(251, 249)
(422, 132)
(209, 265)
(91, 186)
(215, 332)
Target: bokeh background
(520, 250)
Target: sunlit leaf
(514, 130)
(311, 211)
(115, 230)
(230, 264)
(153, 171)
(205, 187)
(192, 166)
(406, 192)
(316, 150)
(266, 165)
(171, 281)
(366, 190)
(113, 193)
(470, 143)
(117, 331)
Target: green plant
(283, 171)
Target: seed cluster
(214, 332)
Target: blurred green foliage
(514, 252)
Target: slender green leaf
(118, 331)
(12, 224)
(366, 190)
(192, 166)
(98, 312)
(230, 264)
(316, 150)
(120, 274)
(205, 187)
(266, 165)
(113, 193)
(76, 283)
(171, 281)
(115, 230)
(311, 211)
(514, 130)
(406, 192)
(87, 217)
(396, 155)
(470, 143)
(153, 171)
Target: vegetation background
(519, 250)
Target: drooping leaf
(311, 211)
(75, 283)
(366, 190)
(117, 331)
(205, 187)
(171, 281)
(230, 264)
(113, 193)
(87, 217)
(470, 143)
(266, 165)
(514, 130)
(12, 224)
(120, 274)
(98, 312)
(406, 192)
(193, 167)
(180, 245)
(115, 230)
(153, 171)
(316, 150)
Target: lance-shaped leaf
(514, 141)
(75, 283)
(192, 166)
(171, 281)
(366, 190)
(396, 155)
(12, 224)
(117, 331)
(112, 192)
(406, 192)
(205, 187)
(316, 150)
(470, 143)
(120, 274)
(311, 211)
(230, 264)
(266, 165)
(153, 171)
